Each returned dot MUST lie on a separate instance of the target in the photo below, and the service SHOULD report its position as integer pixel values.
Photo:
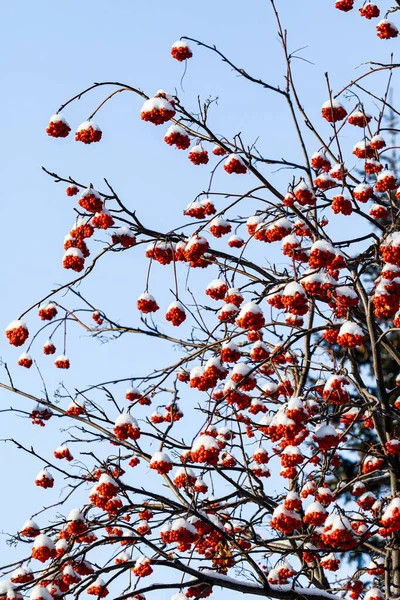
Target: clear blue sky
(50, 52)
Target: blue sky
(52, 53)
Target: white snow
(73, 252)
(16, 324)
(90, 191)
(250, 307)
(125, 419)
(351, 328)
(43, 541)
(323, 246)
(176, 304)
(293, 288)
(75, 515)
(332, 103)
(87, 125)
(204, 441)
(40, 592)
(157, 104)
(58, 118)
(160, 457)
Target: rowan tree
(265, 458)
